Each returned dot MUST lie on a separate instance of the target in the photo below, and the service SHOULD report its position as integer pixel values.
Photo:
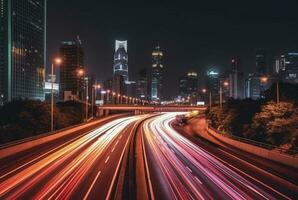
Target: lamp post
(225, 84)
(108, 95)
(277, 92)
(118, 99)
(87, 97)
(263, 80)
(113, 98)
(210, 97)
(94, 89)
(56, 61)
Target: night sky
(194, 35)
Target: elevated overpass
(150, 108)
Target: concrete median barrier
(273, 155)
(28, 143)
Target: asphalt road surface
(134, 157)
(181, 169)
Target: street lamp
(277, 92)
(81, 73)
(87, 96)
(94, 90)
(225, 84)
(108, 95)
(210, 96)
(118, 98)
(264, 79)
(113, 98)
(57, 61)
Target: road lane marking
(189, 169)
(113, 149)
(91, 186)
(107, 159)
(119, 163)
(198, 180)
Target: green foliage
(276, 123)
(269, 122)
(234, 117)
(70, 113)
(24, 118)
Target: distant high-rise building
(108, 84)
(118, 84)
(261, 63)
(192, 83)
(22, 49)
(291, 67)
(121, 59)
(279, 63)
(235, 80)
(157, 75)
(256, 85)
(72, 70)
(252, 87)
(142, 84)
(183, 82)
(213, 84)
(131, 88)
(188, 87)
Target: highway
(133, 157)
(181, 169)
(84, 167)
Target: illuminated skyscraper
(183, 87)
(142, 84)
(213, 84)
(192, 83)
(121, 59)
(188, 86)
(291, 68)
(22, 49)
(236, 81)
(71, 70)
(157, 75)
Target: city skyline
(143, 101)
(212, 35)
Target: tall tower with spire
(121, 59)
(157, 74)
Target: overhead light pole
(277, 92)
(57, 61)
(210, 97)
(94, 90)
(225, 84)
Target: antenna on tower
(79, 40)
(157, 47)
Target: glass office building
(157, 75)
(22, 49)
(72, 70)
